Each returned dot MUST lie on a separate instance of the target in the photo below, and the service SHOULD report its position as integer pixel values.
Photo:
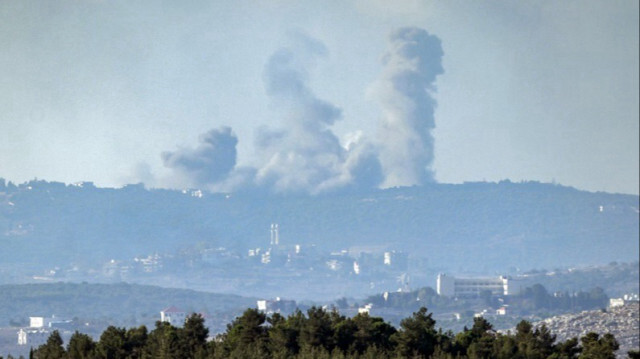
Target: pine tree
(52, 349)
(81, 346)
(193, 337)
(596, 347)
(417, 336)
(112, 344)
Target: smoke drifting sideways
(304, 155)
(210, 162)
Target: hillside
(622, 322)
(479, 227)
(112, 304)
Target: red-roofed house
(173, 316)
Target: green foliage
(596, 347)
(417, 335)
(81, 346)
(193, 337)
(319, 334)
(96, 301)
(537, 297)
(112, 343)
(465, 214)
(52, 349)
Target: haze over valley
(173, 164)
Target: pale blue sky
(95, 90)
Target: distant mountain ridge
(472, 226)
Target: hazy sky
(120, 91)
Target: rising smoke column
(302, 154)
(306, 156)
(411, 64)
(210, 162)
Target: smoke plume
(306, 156)
(301, 154)
(412, 63)
(210, 162)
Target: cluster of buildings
(364, 268)
(344, 261)
(40, 328)
(278, 305)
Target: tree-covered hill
(473, 226)
(116, 304)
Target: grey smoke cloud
(302, 154)
(306, 156)
(412, 63)
(210, 162)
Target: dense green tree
(193, 337)
(417, 335)
(162, 342)
(544, 341)
(317, 330)
(284, 334)
(322, 334)
(372, 331)
(80, 346)
(112, 344)
(135, 342)
(52, 349)
(344, 335)
(594, 346)
(477, 342)
(505, 347)
(568, 349)
(246, 336)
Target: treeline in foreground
(323, 334)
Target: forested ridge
(118, 304)
(327, 334)
(506, 224)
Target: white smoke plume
(405, 90)
(306, 156)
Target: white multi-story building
(469, 287)
(39, 322)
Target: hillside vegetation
(111, 304)
(475, 226)
(320, 334)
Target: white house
(173, 316)
(366, 309)
(33, 337)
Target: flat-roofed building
(470, 287)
